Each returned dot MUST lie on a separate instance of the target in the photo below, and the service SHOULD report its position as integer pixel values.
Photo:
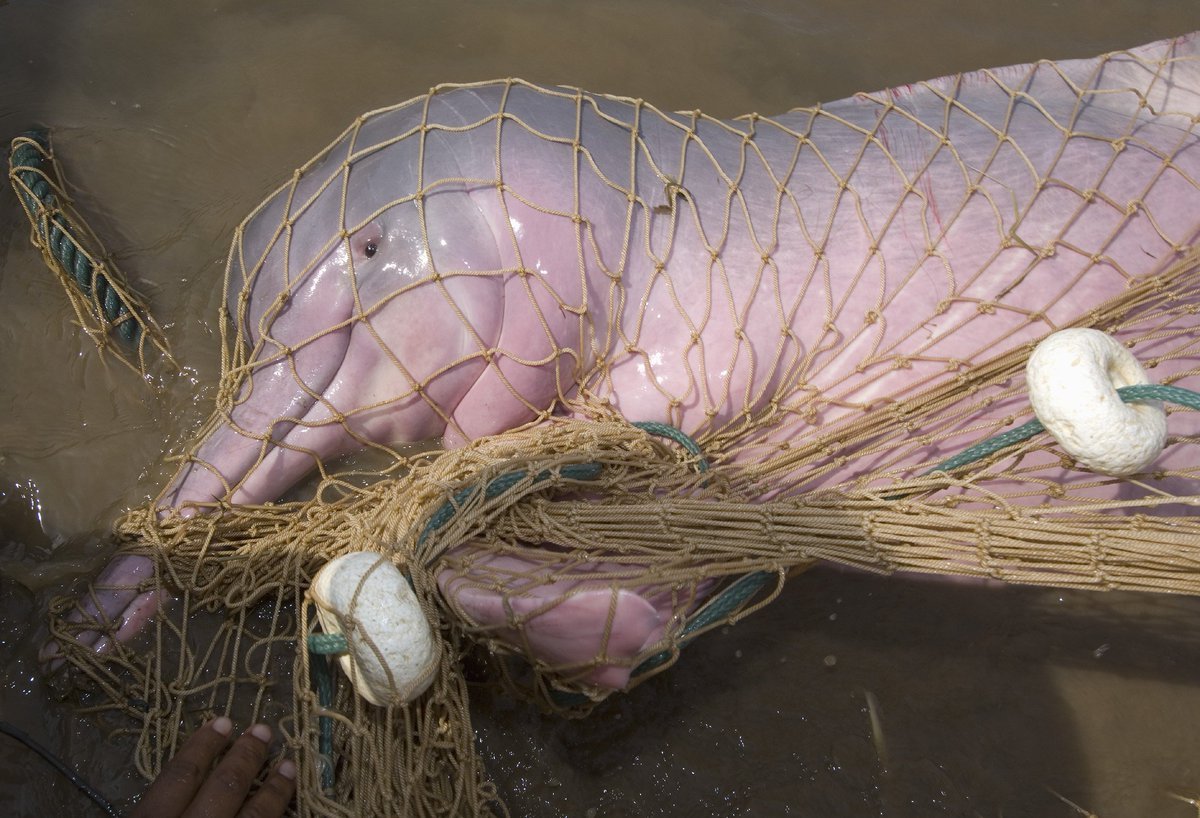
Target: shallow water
(175, 119)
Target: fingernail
(223, 725)
(261, 732)
(287, 769)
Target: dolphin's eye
(366, 241)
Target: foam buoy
(1073, 377)
(391, 654)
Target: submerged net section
(830, 303)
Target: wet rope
(323, 645)
(501, 484)
(1129, 394)
(31, 169)
(731, 598)
(671, 433)
(55, 762)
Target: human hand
(190, 787)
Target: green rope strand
(1163, 392)
(29, 163)
(327, 644)
(989, 446)
(719, 607)
(323, 644)
(651, 427)
(501, 484)
(732, 597)
(576, 471)
(1129, 394)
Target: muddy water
(851, 696)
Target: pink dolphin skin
(713, 263)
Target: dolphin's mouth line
(286, 400)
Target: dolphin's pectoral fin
(606, 628)
(117, 606)
(584, 629)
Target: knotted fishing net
(818, 310)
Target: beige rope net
(830, 302)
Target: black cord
(53, 760)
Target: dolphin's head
(366, 296)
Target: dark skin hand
(189, 786)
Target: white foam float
(392, 656)
(1073, 377)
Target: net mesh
(830, 302)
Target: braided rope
(1129, 394)
(103, 301)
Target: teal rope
(501, 484)
(1129, 394)
(719, 607)
(323, 644)
(1158, 391)
(656, 429)
(327, 644)
(576, 471)
(30, 166)
(732, 597)
(989, 446)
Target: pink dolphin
(452, 266)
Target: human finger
(182, 776)
(225, 789)
(274, 795)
